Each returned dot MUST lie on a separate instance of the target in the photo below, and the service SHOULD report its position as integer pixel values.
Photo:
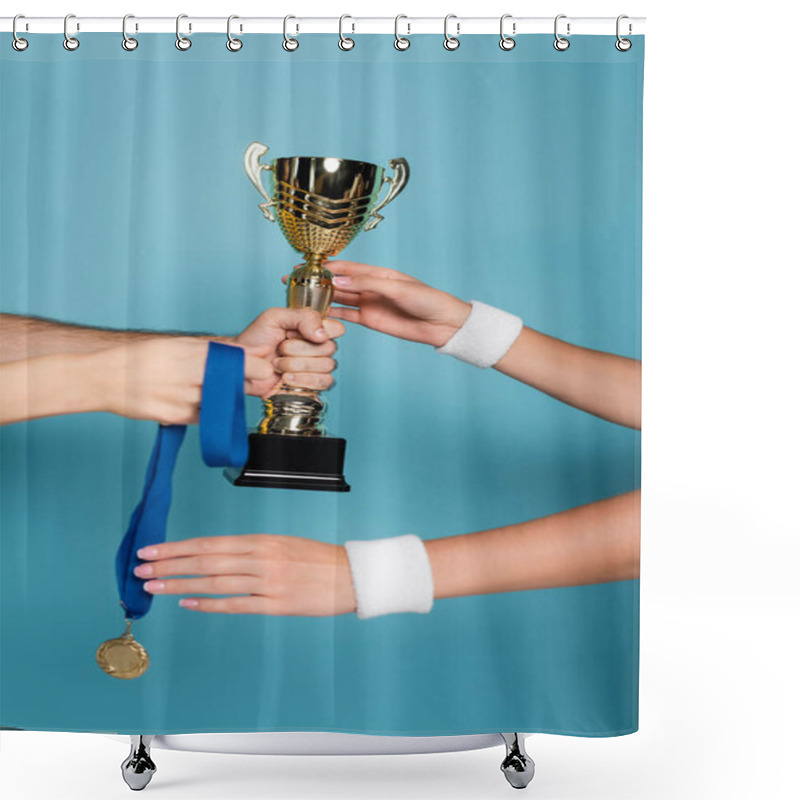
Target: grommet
(400, 42)
(623, 45)
(451, 42)
(560, 43)
(181, 42)
(507, 42)
(128, 42)
(18, 43)
(233, 44)
(70, 42)
(289, 43)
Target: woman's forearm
(67, 383)
(606, 385)
(594, 543)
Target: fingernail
(186, 603)
(342, 280)
(147, 552)
(321, 332)
(154, 586)
(287, 376)
(143, 570)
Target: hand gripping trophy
(321, 205)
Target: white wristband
(390, 575)
(485, 337)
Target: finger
(300, 347)
(346, 298)
(243, 543)
(207, 564)
(256, 368)
(355, 268)
(347, 314)
(384, 287)
(333, 328)
(299, 364)
(219, 584)
(306, 321)
(318, 381)
(252, 604)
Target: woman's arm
(606, 385)
(593, 543)
(603, 384)
(295, 576)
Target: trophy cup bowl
(321, 204)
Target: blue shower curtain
(124, 204)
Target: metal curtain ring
(345, 43)
(18, 43)
(560, 43)
(128, 42)
(621, 44)
(400, 42)
(233, 44)
(70, 42)
(451, 42)
(289, 43)
(181, 42)
(507, 42)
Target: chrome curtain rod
(407, 25)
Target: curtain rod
(300, 24)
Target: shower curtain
(125, 206)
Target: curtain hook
(345, 42)
(400, 42)
(18, 43)
(70, 42)
(128, 42)
(507, 42)
(289, 43)
(233, 44)
(621, 44)
(451, 42)
(181, 42)
(560, 43)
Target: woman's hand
(390, 302)
(282, 575)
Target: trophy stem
(293, 410)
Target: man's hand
(279, 575)
(298, 345)
(159, 378)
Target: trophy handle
(397, 183)
(254, 168)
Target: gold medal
(123, 657)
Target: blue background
(124, 204)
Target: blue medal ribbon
(223, 442)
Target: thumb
(306, 321)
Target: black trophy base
(279, 461)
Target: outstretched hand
(269, 574)
(394, 303)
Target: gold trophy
(321, 204)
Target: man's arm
(31, 337)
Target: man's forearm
(31, 337)
(594, 543)
(604, 384)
